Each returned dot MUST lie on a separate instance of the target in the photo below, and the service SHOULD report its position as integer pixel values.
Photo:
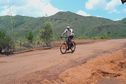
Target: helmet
(68, 27)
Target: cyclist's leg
(71, 44)
(71, 37)
(68, 42)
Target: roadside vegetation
(6, 43)
(29, 32)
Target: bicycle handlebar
(63, 37)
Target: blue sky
(111, 9)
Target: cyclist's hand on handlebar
(61, 36)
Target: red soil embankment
(107, 69)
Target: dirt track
(20, 65)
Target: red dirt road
(19, 65)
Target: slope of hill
(83, 26)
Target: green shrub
(5, 41)
(46, 34)
(29, 37)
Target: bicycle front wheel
(63, 48)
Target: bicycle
(64, 48)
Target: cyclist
(69, 34)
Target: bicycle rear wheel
(63, 48)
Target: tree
(46, 34)
(29, 37)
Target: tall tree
(46, 34)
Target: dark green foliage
(5, 41)
(46, 33)
(30, 37)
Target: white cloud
(7, 11)
(92, 4)
(99, 16)
(50, 10)
(83, 13)
(35, 8)
(111, 6)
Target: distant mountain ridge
(84, 26)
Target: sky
(111, 9)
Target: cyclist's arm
(64, 32)
(72, 33)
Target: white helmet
(68, 26)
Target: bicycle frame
(65, 47)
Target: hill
(88, 26)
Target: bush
(6, 42)
(29, 37)
(46, 34)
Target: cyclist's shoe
(67, 49)
(61, 36)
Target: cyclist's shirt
(68, 32)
